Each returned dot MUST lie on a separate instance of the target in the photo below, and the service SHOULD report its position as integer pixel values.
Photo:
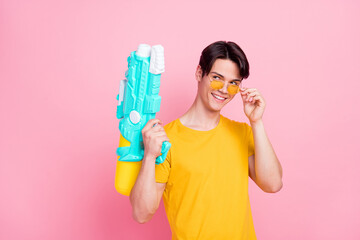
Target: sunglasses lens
(233, 89)
(216, 85)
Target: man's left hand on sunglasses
(254, 104)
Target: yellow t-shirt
(206, 195)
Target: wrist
(256, 123)
(149, 157)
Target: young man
(204, 179)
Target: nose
(224, 88)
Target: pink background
(60, 67)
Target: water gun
(138, 102)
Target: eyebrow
(223, 77)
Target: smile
(218, 98)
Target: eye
(235, 83)
(216, 77)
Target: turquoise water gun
(139, 101)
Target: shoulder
(170, 125)
(239, 126)
(240, 129)
(172, 128)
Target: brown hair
(224, 50)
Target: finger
(251, 95)
(248, 90)
(164, 139)
(247, 93)
(246, 96)
(157, 134)
(154, 130)
(150, 124)
(258, 99)
(242, 89)
(159, 137)
(243, 95)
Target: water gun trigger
(164, 152)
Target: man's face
(222, 69)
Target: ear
(198, 73)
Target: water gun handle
(164, 151)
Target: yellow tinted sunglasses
(216, 83)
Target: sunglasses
(216, 83)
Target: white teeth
(218, 97)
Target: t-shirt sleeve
(162, 170)
(250, 140)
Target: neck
(200, 117)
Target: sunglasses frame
(220, 81)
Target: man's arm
(264, 167)
(146, 194)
